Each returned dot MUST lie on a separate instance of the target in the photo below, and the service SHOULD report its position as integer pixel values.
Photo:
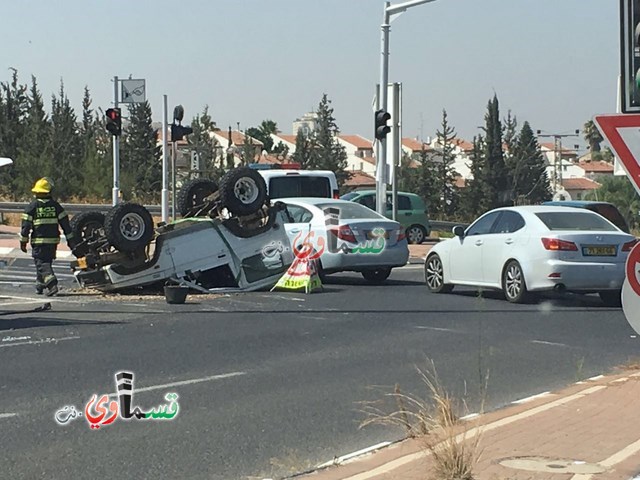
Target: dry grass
(434, 420)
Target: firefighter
(40, 221)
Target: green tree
(408, 174)
(66, 147)
(141, 167)
(34, 158)
(592, 136)
(96, 152)
(304, 154)
(528, 169)
(205, 145)
(444, 170)
(263, 133)
(472, 196)
(14, 105)
(329, 154)
(619, 191)
(427, 184)
(495, 175)
(248, 151)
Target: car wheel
(513, 283)
(87, 225)
(193, 193)
(416, 234)
(377, 275)
(129, 227)
(434, 275)
(243, 191)
(611, 298)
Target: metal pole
(381, 163)
(174, 154)
(165, 166)
(397, 145)
(115, 197)
(560, 155)
(555, 164)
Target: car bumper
(395, 256)
(577, 276)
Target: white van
(300, 183)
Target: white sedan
(533, 248)
(347, 236)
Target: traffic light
(380, 124)
(178, 132)
(114, 121)
(630, 55)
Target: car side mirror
(458, 231)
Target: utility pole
(557, 155)
(115, 198)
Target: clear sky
(553, 63)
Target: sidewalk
(10, 244)
(590, 430)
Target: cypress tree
(329, 154)
(530, 181)
(495, 174)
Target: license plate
(371, 236)
(604, 251)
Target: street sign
(631, 289)
(622, 132)
(133, 91)
(195, 161)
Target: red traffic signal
(114, 121)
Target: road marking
(543, 342)
(399, 462)
(6, 250)
(470, 416)
(438, 329)
(26, 302)
(532, 397)
(349, 456)
(614, 459)
(37, 342)
(597, 377)
(8, 415)
(187, 382)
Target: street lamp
(390, 11)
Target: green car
(412, 212)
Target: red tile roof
(579, 184)
(287, 138)
(360, 179)
(460, 182)
(414, 145)
(357, 141)
(370, 160)
(596, 167)
(238, 138)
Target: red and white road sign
(631, 289)
(622, 132)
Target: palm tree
(592, 136)
(620, 192)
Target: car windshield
(575, 221)
(348, 196)
(352, 211)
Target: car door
(499, 244)
(465, 257)
(300, 222)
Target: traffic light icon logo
(114, 121)
(380, 124)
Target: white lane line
(614, 459)
(399, 462)
(470, 416)
(532, 397)
(8, 415)
(187, 382)
(437, 329)
(38, 342)
(543, 342)
(24, 302)
(349, 456)
(597, 377)
(284, 298)
(6, 250)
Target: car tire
(129, 227)
(243, 191)
(416, 234)
(513, 283)
(611, 298)
(85, 226)
(193, 193)
(376, 275)
(434, 275)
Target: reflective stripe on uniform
(26, 217)
(45, 241)
(71, 235)
(45, 221)
(24, 239)
(62, 214)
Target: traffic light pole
(165, 161)
(116, 152)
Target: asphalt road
(269, 383)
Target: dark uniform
(40, 221)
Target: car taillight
(344, 232)
(629, 245)
(336, 195)
(402, 234)
(557, 244)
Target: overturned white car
(218, 245)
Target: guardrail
(72, 208)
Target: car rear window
(612, 214)
(348, 196)
(575, 221)
(352, 211)
(299, 186)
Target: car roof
(292, 172)
(313, 200)
(368, 192)
(575, 203)
(541, 208)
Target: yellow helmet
(44, 185)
